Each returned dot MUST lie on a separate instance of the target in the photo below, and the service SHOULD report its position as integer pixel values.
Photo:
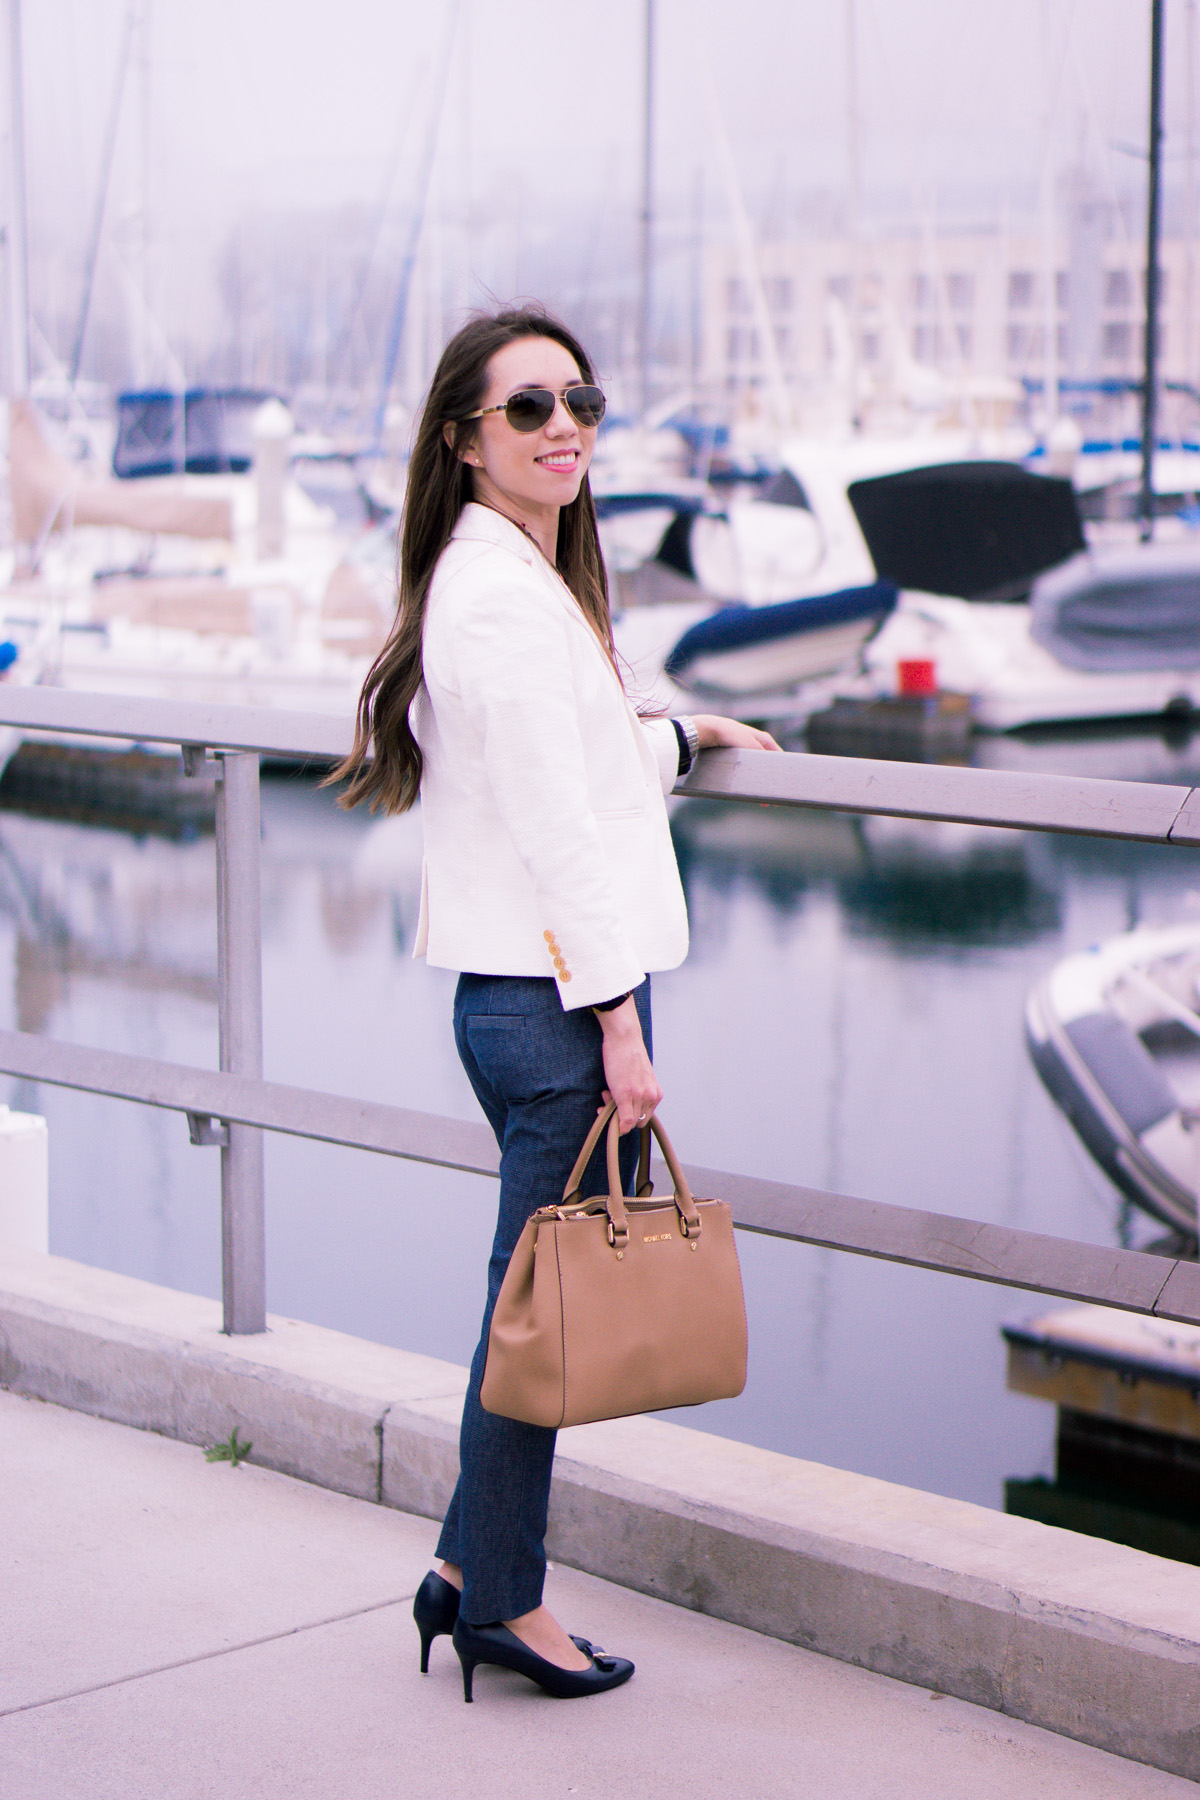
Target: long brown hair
(439, 486)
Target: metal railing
(233, 1105)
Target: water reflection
(850, 1017)
(1163, 750)
(913, 884)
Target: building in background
(926, 323)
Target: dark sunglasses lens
(586, 404)
(530, 409)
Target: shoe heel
(468, 1669)
(435, 1608)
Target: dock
(792, 1623)
(1127, 1451)
(200, 1631)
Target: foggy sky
(299, 99)
(252, 104)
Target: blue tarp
(736, 627)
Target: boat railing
(232, 1106)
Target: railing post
(239, 990)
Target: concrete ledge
(1086, 1638)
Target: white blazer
(547, 850)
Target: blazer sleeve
(665, 745)
(512, 666)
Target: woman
(549, 878)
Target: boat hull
(1084, 1034)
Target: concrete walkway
(179, 1630)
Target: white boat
(173, 586)
(794, 554)
(1114, 1033)
(862, 525)
(1000, 594)
(1011, 605)
(1027, 664)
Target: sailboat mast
(647, 218)
(395, 331)
(1150, 366)
(1189, 268)
(16, 238)
(854, 211)
(107, 159)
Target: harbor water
(850, 1017)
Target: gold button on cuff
(549, 936)
(564, 975)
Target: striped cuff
(689, 742)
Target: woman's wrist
(619, 1019)
(603, 1006)
(715, 731)
(708, 730)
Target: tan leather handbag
(614, 1306)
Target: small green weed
(233, 1450)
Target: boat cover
(216, 436)
(978, 530)
(610, 506)
(1124, 1068)
(1131, 609)
(736, 627)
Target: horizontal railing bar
(1148, 812)
(1001, 1254)
(994, 1253)
(272, 731)
(1083, 804)
(245, 1100)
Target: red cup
(916, 675)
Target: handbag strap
(571, 1191)
(685, 1205)
(615, 1201)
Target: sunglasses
(531, 408)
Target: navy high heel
(435, 1608)
(498, 1645)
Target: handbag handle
(615, 1202)
(643, 1186)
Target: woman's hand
(628, 1071)
(716, 731)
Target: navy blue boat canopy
(210, 434)
(978, 530)
(610, 506)
(737, 627)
